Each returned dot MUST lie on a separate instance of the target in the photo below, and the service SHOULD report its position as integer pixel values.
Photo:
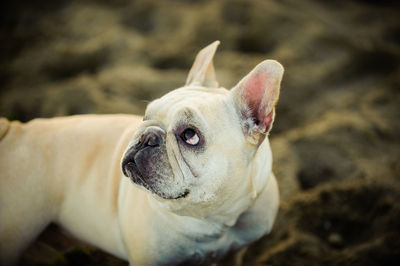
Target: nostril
(152, 137)
(153, 140)
(150, 140)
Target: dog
(186, 184)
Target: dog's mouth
(183, 195)
(132, 171)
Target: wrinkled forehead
(190, 103)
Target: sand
(336, 140)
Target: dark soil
(336, 139)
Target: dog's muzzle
(146, 164)
(152, 138)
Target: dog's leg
(27, 204)
(16, 239)
(18, 228)
(24, 213)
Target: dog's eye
(190, 137)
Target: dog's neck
(259, 172)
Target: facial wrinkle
(172, 158)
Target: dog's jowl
(189, 182)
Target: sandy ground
(336, 139)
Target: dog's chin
(160, 193)
(139, 180)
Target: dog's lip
(129, 167)
(183, 195)
(131, 164)
(131, 170)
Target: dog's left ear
(202, 72)
(255, 97)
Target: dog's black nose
(136, 155)
(152, 136)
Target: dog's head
(202, 144)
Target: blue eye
(190, 137)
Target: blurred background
(336, 139)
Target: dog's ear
(202, 72)
(255, 97)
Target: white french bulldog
(198, 173)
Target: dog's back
(79, 154)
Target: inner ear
(256, 96)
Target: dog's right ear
(202, 72)
(255, 97)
